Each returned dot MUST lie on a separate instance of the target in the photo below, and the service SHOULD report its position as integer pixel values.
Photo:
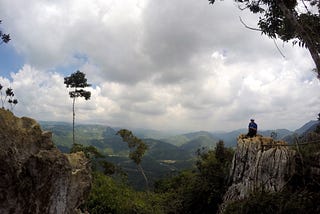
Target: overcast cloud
(183, 65)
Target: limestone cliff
(35, 177)
(259, 163)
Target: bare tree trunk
(2, 101)
(302, 161)
(144, 176)
(310, 44)
(73, 119)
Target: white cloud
(156, 64)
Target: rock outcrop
(35, 177)
(259, 163)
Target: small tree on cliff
(5, 38)
(296, 20)
(135, 155)
(77, 81)
(13, 102)
(8, 94)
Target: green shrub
(109, 196)
(284, 202)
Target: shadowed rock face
(259, 163)
(35, 177)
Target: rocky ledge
(259, 163)
(35, 177)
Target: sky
(163, 65)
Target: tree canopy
(133, 142)
(295, 20)
(77, 80)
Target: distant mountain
(202, 141)
(105, 138)
(194, 138)
(310, 126)
(160, 150)
(62, 132)
(177, 140)
(301, 132)
(280, 133)
(230, 138)
(154, 134)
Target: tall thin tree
(77, 81)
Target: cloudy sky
(169, 64)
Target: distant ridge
(195, 139)
(188, 139)
(310, 126)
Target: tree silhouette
(8, 94)
(77, 81)
(135, 155)
(5, 38)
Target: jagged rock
(35, 177)
(259, 163)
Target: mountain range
(168, 152)
(106, 140)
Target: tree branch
(256, 29)
(275, 43)
(251, 28)
(305, 6)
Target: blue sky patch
(10, 60)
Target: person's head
(252, 120)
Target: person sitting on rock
(253, 127)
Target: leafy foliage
(78, 80)
(133, 142)
(110, 196)
(200, 190)
(95, 157)
(281, 203)
(89, 151)
(137, 154)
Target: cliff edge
(259, 163)
(35, 177)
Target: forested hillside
(165, 156)
(161, 159)
(187, 173)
